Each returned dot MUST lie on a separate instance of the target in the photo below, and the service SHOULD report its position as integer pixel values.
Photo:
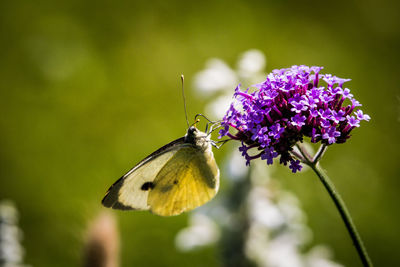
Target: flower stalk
(339, 203)
(320, 153)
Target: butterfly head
(198, 138)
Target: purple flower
(295, 166)
(290, 105)
(313, 113)
(298, 107)
(326, 114)
(269, 154)
(355, 103)
(314, 135)
(331, 135)
(346, 93)
(337, 91)
(258, 132)
(298, 120)
(244, 149)
(325, 123)
(362, 116)
(276, 130)
(338, 116)
(352, 121)
(312, 102)
(224, 131)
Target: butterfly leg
(218, 144)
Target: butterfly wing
(188, 180)
(131, 190)
(176, 178)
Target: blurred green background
(88, 88)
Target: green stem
(320, 153)
(304, 153)
(344, 213)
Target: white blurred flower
(282, 251)
(251, 63)
(11, 250)
(219, 80)
(263, 210)
(236, 167)
(258, 238)
(319, 256)
(201, 231)
(216, 76)
(219, 106)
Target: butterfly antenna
(201, 115)
(184, 100)
(194, 123)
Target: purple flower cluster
(289, 104)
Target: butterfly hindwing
(131, 190)
(188, 180)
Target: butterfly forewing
(131, 190)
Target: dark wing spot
(166, 188)
(147, 186)
(175, 181)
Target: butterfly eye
(192, 129)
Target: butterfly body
(178, 177)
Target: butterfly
(178, 177)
